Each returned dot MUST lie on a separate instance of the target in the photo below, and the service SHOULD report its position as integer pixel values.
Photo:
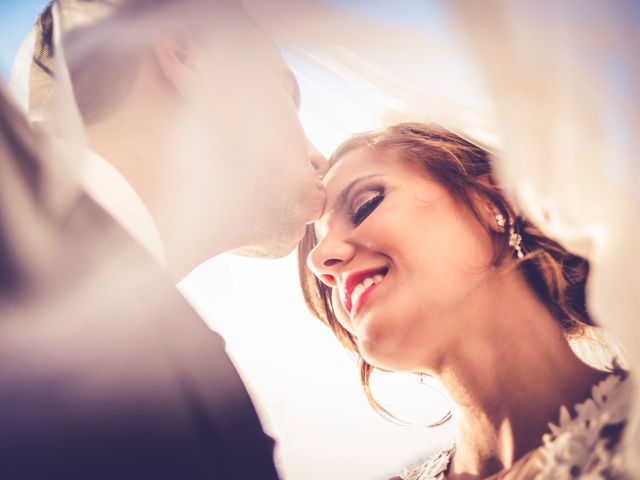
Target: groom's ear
(176, 52)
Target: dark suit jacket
(105, 370)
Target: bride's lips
(355, 279)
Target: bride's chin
(386, 362)
(382, 355)
(387, 347)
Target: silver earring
(515, 239)
(446, 417)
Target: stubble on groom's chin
(278, 244)
(271, 251)
(258, 252)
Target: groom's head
(195, 106)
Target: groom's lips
(320, 200)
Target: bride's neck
(508, 377)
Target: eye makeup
(357, 200)
(365, 203)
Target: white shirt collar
(98, 177)
(113, 193)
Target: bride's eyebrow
(344, 194)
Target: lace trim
(585, 445)
(589, 443)
(433, 469)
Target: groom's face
(246, 101)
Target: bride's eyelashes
(365, 205)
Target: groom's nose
(318, 161)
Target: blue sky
(408, 13)
(16, 19)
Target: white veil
(550, 88)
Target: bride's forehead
(360, 163)
(350, 165)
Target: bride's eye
(365, 206)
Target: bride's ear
(497, 220)
(176, 52)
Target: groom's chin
(276, 248)
(266, 253)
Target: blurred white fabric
(564, 81)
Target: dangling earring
(446, 417)
(515, 239)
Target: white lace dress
(586, 446)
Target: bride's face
(402, 257)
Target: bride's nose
(328, 258)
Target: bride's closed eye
(365, 204)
